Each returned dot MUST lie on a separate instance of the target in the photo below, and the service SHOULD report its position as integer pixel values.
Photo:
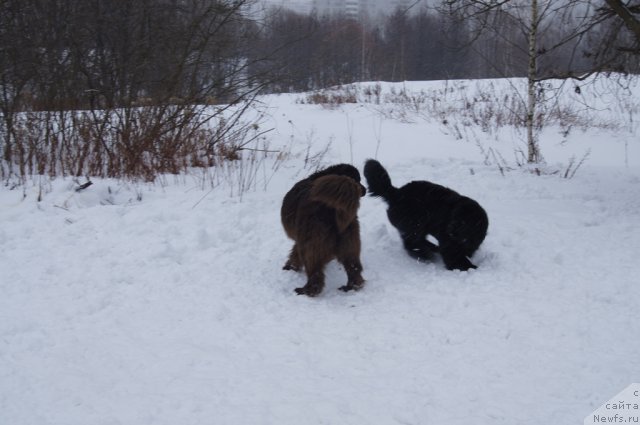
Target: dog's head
(347, 170)
(468, 223)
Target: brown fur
(320, 214)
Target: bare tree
(548, 38)
(122, 87)
(628, 12)
(614, 36)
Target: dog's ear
(340, 193)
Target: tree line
(70, 54)
(138, 87)
(105, 53)
(122, 87)
(459, 39)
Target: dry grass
(138, 143)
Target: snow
(165, 303)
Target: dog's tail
(341, 193)
(379, 181)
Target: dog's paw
(290, 266)
(352, 286)
(310, 292)
(467, 265)
(464, 267)
(347, 288)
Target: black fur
(422, 208)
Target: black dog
(320, 214)
(422, 208)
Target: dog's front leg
(355, 281)
(419, 247)
(348, 254)
(314, 286)
(454, 258)
(293, 263)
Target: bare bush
(333, 97)
(130, 143)
(128, 89)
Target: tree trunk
(623, 11)
(533, 153)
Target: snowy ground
(166, 303)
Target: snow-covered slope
(166, 303)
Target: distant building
(354, 9)
(404, 4)
(348, 8)
(298, 6)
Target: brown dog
(320, 214)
